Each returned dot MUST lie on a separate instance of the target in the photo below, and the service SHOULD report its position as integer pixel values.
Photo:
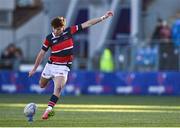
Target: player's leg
(59, 83)
(43, 82)
(45, 76)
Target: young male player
(61, 44)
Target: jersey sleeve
(76, 28)
(46, 45)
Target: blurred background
(135, 52)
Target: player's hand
(31, 73)
(109, 14)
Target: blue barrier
(83, 82)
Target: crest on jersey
(54, 41)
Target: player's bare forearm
(96, 20)
(38, 61)
(91, 22)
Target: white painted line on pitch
(95, 106)
(106, 108)
(116, 110)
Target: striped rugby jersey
(61, 46)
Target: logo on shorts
(44, 74)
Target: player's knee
(41, 84)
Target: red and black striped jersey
(61, 46)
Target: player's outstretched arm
(37, 62)
(97, 20)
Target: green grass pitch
(93, 111)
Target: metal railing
(30, 46)
(144, 55)
(127, 56)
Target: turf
(93, 111)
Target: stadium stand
(39, 13)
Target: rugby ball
(30, 109)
